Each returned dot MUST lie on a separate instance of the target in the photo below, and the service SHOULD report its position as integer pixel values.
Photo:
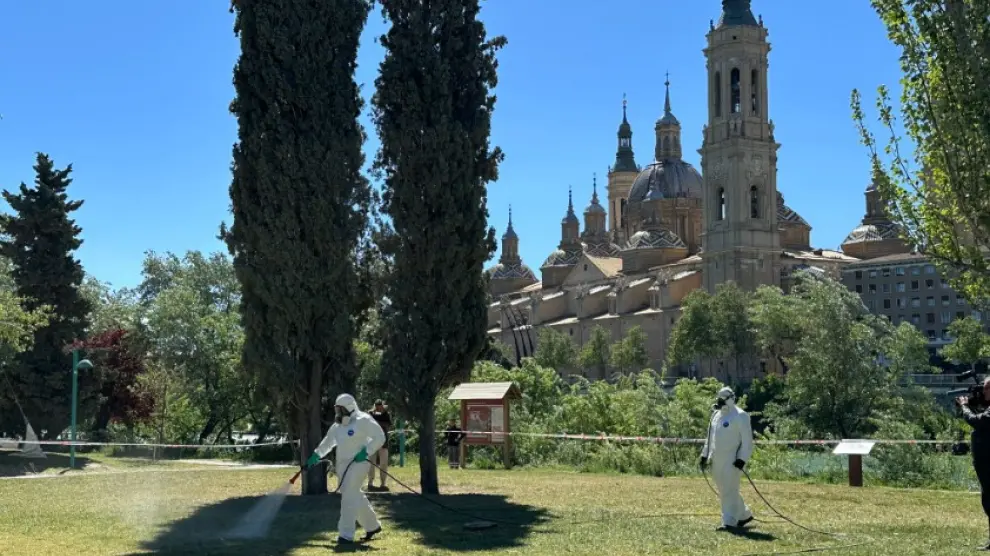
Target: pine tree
(300, 204)
(40, 239)
(432, 109)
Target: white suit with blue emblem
(728, 448)
(356, 430)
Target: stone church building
(667, 229)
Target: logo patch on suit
(350, 432)
(725, 424)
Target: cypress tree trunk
(429, 482)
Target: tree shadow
(14, 465)
(450, 527)
(311, 521)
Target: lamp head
(85, 365)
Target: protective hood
(726, 400)
(726, 393)
(347, 401)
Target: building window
(754, 202)
(960, 300)
(885, 272)
(873, 288)
(945, 285)
(929, 283)
(754, 88)
(899, 271)
(945, 301)
(872, 304)
(977, 315)
(960, 315)
(886, 288)
(886, 304)
(859, 274)
(734, 106)
(900, 286)
(946, 335)
(914, 285)
(720, 204)
(916, 319)
(859, 288)
(946, 317)
(931, 335)
(916, 302)
(873, 274)
(717, 86)
(901, 302)
(930, 318)
(570, 331)
(929, 269)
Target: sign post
(485, 415)
(855, 449)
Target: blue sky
(135, 95)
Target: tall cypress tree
(299, 202)
(40, 239)
(432, 109)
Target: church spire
(624, 160)
(510, 244)
(668, 130)
(736, 13)
(569, 226)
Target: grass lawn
(186, 510)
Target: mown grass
(187, 510)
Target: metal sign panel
(854, 447)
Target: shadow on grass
(752, 535)
(311, 521)
(14, 465)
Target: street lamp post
(85, 364)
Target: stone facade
(670, 228)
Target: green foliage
(716, 326)
(300, 205)
(40, 240)
(432, 108)
(596, 353)
(191, 323)
(629, 354)
(555, 350)
(970, 343)
(941, 201)
(693, 335)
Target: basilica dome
(510, 271)
(666, 178)
(654, 239)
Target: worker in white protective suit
(355, 434)
(728, 447)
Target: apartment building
(905, 287)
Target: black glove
(703, 463)
(739, 463)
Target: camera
(974, 392)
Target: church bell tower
(741, 240)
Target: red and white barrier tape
(13, 441)
(665, 440)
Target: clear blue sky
(135, 95)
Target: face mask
(340, 413)
(719, 404)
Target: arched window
(624, 142)
(717, 86)
(666, 144)
(720, 204)
(754, 202)
(754, 88)
(734, 89)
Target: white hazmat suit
(728, 447)
(355, 432)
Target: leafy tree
(433, 109)
(693, 335)
(595, 353)
(120, 366)
(555, 350)
(192, 324)
(942, 200)
(629, 354)
(846, 364)
(970, 344)
(497, 352)
(41, 238)
(111, 309)
(300, 205)
(17, 332)
(714, 326)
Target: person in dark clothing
(454, 437)
(381, 416)
(978, 417)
